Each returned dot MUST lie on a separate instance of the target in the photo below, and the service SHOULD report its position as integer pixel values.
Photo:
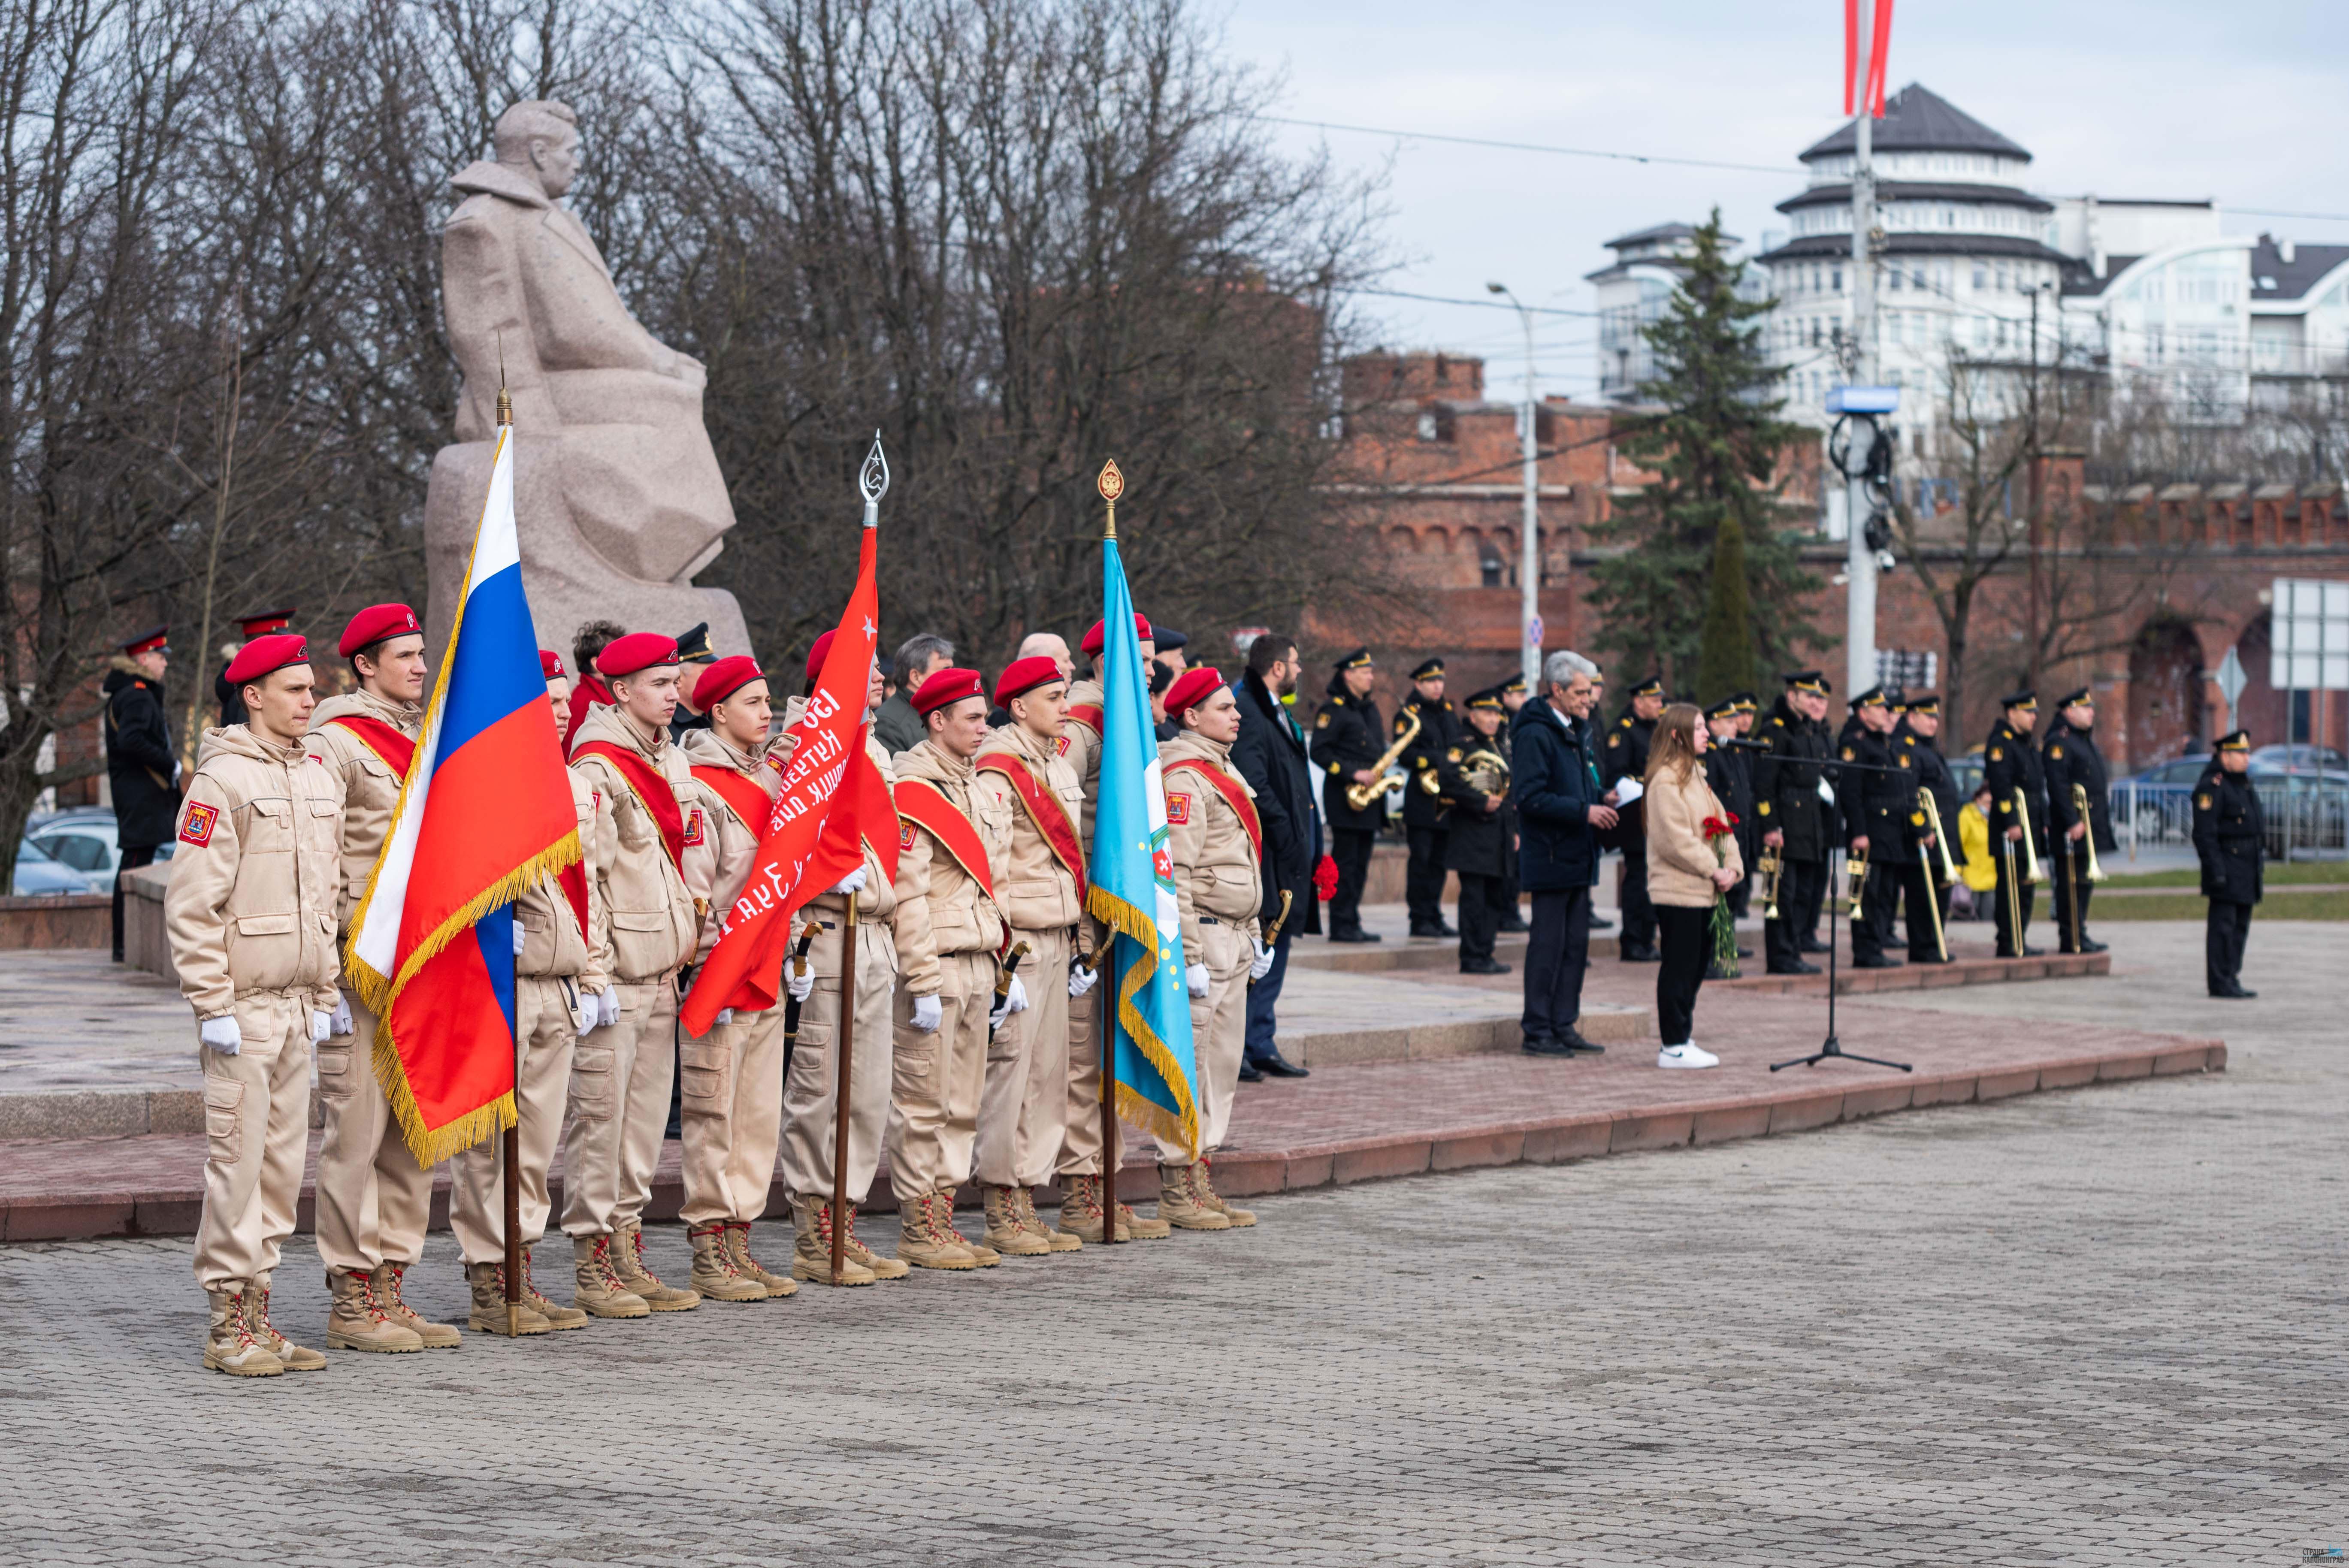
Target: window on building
(1835, 281)
(1894, 284)
(1981, 276)
(1431, 428)
(1916, 277)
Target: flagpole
(512, 1142)
(847, 1046)
(1112, 485)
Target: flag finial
(1112, 485)
(505, 399)
(872, 481)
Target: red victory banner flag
(1866, 95)
(832, 801)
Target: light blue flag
(1132, 889)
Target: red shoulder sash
(750, 804)
(651, 787)
(925, 806)
(396, 749)
(1085, 713)
(1044, 809)
(1234, 797)
(572, 879)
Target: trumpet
(1854, 868)
(1769, 866)
(2030, 847)
(1944, 867)
(1360, 795)
(2094, 873)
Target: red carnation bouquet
(1717, 831)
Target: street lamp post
(1529, 627)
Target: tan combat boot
(229, 1344)
(1203, 1193)
(1081, 1210)
(883, 1268)
(358, 1321)
(290, 1355)
(1144, 1229)
(1007, 1232)
(738, 1247)
(1057, 1241)
(986, 1257)
(387, 1280)
(812, 1249)
(1180, 1207)
(598, 1290)
(924, 1242)
(558, 1317)
(714, 1273)
(627, 1257)
(488, 1284)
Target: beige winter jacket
(1034, 888)
(370, 789)
(1680, 862)
(1081, 745)
(255, 874)
(1217, 870)
(654, 927)
(940, 907)
(554, 947)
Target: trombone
(1360, 795)
(1941, 871)
(1770, 865)
(1854, 868)
(2077, 941)
(2030, 847)
(2095, 873)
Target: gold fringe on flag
(1180, 1125)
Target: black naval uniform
(1729, 772)
(1786, 801)
(1346, 740)
(1932, 773)
(2230, 838)
(2010, 767)
(2069, 758)
(1876, 805)
(1623, 754)
(1478, 847)
(1425, 815)
(139, 769)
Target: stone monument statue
(617, 495)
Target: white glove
(1261, 964)
(344, 1023)
(221, 1035)
(852, 883)
(1195, 979)
(321, 1025)
(928, 1014)
(1080, 979)
(1016, 999)
(607, 1004)
(521, 937)
(725, 1016)
(800, 983)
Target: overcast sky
(2180, 98)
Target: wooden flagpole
(1106, 983)
(846, 1043)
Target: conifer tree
(1726, 653)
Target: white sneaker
(1688, 1056)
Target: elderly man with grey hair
(1560, 814)
(895, 725)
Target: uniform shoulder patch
(1627, 723)
(1178, 810)
(1321, 720)
(905, 834)
(1904, 762)
(196, 827)
(1917, 818)
(2201, 800)
(2054, 751)
(1995, 753)
(693, 833)
(1847, 754)
(1764, 808)
(1452, 754)
(1060, 745)
(1778, 723)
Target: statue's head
(542, 135)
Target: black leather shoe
(1537, 1046)
(1599, 925)
(1511, 926)
(1445, 928)
(1433, 932)
(1248, 1073)
(1278, 1066)
(1356, 936)
(2031, 952)
(2094, 947)
(1483, 966)
(1746, 953)
(1796, 967)
(1640, 954)
(1573, 1041)
(1812, 944)
(1875, 961)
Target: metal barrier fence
(2307, 816)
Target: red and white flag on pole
(1870, 91)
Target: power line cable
(1778, 169)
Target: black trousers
(2006, 904)
(1510, 895)
(1688, 947)
(1480, 916)
(1639, 914)
(1880, 902)
(1800, 886)
(2224, 930)
(1351, 849)
(1556, 953)
(1423, 887)
(132, 859)
(1928, 902)
(2070, 870)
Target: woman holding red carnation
(1692, 861)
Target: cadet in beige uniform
(1023, 1111)
(810, 1094)
(648, 813)
(374, 1199)
(560, 986)
(1213, 837)
(732, 1080)
(251, 913)
(949, 931)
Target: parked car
(2298, 758)
(39, 874)
(83, 838)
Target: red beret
(1093, 643)
(373, 624)
(267, 655)
(949, 686)
(550, 663)
(816, 654)
(262, 621)
(637, 651)
(1192, 687)
(724, 678)
(1024, 675)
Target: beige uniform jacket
(1031, 885)
(256, 874)
(717, 867)
(879, 901)
(1081, 749)
(554, 947)
(654, 927)
(941, 908)
(1216, 872)
(370, 789)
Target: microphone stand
(1833, 1049)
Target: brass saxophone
(1360, 795)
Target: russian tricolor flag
(485, 811)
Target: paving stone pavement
(2089, 1328)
